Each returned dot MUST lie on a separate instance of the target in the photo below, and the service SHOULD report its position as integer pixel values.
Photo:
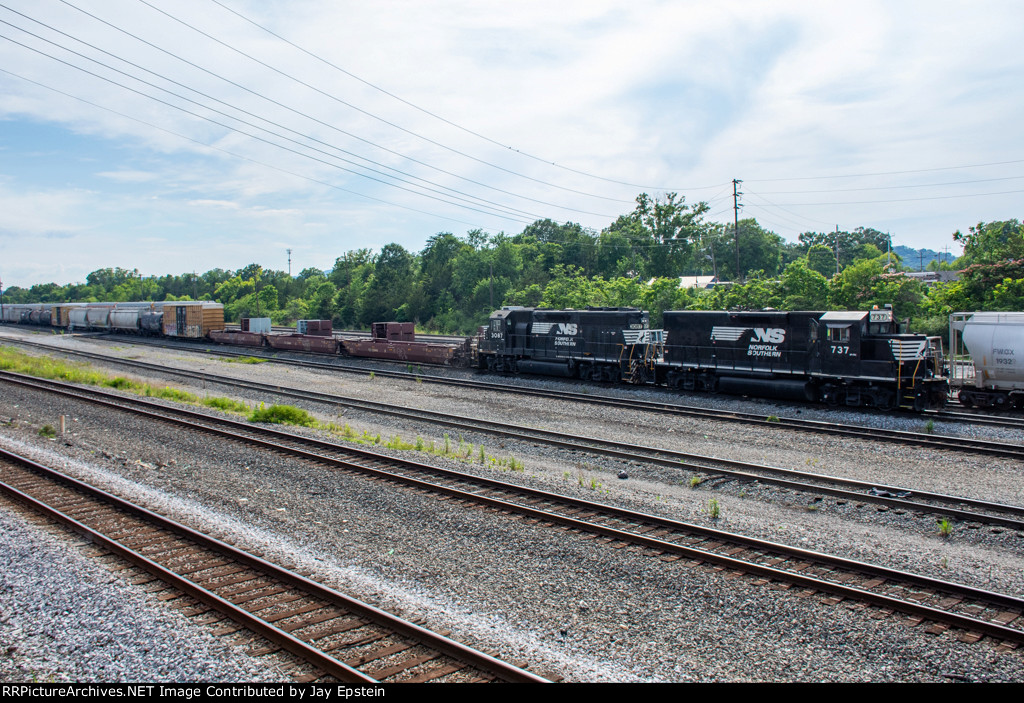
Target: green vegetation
(695, 481)
(243, 360)
(929, 427)
(714, 510)
(47, 431)
(283, 414)
(454, 282)
(945, 528)
(44, 367)
(226, 404)
(80, 373)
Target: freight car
(839, 358)
(986, 365)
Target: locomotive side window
(839, 334)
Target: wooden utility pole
(736, 224)
(835, 243)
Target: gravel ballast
(570, 604)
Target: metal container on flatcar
(303, 342)
(320, 328)
(257, 325)
(393, 331)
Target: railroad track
(897, 497)
(974, 613)
(769, 423)
(337, 635)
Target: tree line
(454, 282)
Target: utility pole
(835, 243)
(736, 223)
(289, 262)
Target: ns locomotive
(839, 358)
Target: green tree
(989, 243)
(803, 288)
(821, 259)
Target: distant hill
(918, 259)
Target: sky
(186, 135)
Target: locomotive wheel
(885, 400)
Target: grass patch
(226, 404)
(47, 431)
(168, 393)
(245, 360)
(283, 415)
(121, 383)
(44, 367)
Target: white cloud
(659, 94)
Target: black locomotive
(600, 344)
(839, 358)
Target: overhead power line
(241, 157)
(436, 116)
(328, 125)
(902, 187)
(886, 173)
(902, 200)
(506, 215)
(468, 198)
(358, 109)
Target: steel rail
(644, 523)
(327, 663)
(951, 443)
(947, 505)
